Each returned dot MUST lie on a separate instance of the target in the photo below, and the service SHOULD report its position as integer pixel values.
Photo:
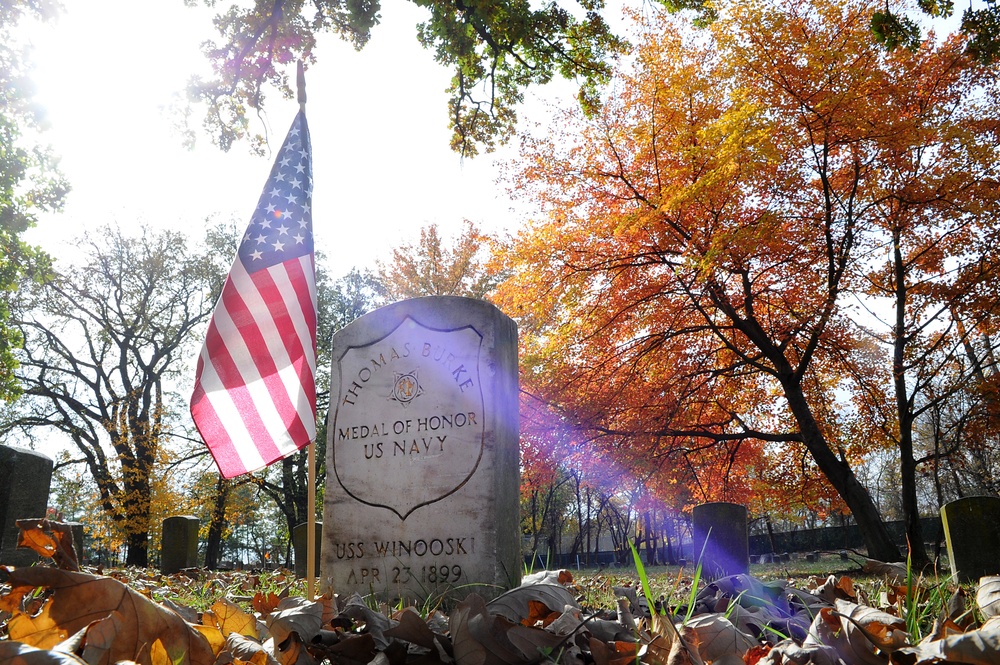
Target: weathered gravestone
(24, 494)
(972, 534)
(422, 452)
(77, 529)
(300, 543)
(179, 544)
(721, 528)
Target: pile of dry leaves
(62, 615)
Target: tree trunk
(668, 554)
(841, 476)
(652, 558)
(536, 528)
(213, 547)
(137, 510)
(904, 414)
(578, 542)
(911, 513)
(138, 550)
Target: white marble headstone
(422, 452)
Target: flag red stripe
(232, 376)
(211, 428)
(263, 366)
(303, 289)
(281, 317)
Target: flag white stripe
(221, 402)
(274, 425)
(277, 350)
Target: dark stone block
(722, 529)
(179, 544)
(300, 544)
(972, 533)
(24, 494)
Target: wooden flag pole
(300, 82)
(311, 525)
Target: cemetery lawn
(854, 612)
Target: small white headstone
(422, 452)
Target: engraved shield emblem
(409, 423)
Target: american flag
(254, 398)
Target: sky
(110, 75)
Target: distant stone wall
(838, 537)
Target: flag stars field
(272, 243)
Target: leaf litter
(62, 615)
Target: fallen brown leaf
(16, 653)
(411, 628)
(604, 654)
(99, 637)
(976, 647)
(375, 623)
(837, 588)
(515, 605)
(49, 539)
(291, 651)
(536, 643)
(229, 617)
(988, 596)
(895, 572)
(249, 650)
(885, 631)
(717, 637)
(788, 652)
(478, 638)
(684, 650)
(265, 603)
(755, 654)
(357, 650)
(857, 633)
(294, 622)
(78, 599)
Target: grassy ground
(596, 587)
(673, 584)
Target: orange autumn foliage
(685, 296)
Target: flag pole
(300, 83)
(311, 525)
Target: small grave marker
(422, 454)
(722, 529)
(972, 534)
(179, 544)
(300, 539)
(78, 542)
(24, 494)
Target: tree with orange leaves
(686, 296)
(437, 267)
